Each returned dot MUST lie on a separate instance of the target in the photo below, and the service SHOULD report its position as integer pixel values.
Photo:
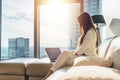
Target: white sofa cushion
(58, 73)
(91, 73)
(114, 53)
(92, 60)
(116, 59)
(115, 46)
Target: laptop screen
(53, 53)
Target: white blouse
(88, 46)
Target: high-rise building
(18, 47)
(93, 7)
(12, 47)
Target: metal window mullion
(0, 25)
(36, 30)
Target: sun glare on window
(55, 21)
(58, 25)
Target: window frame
(0, 25)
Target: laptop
(53, 53)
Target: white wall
(110, 10)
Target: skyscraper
(93, 7)
(18, 47)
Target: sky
(54, 30)
(17, 20)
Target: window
(58, 26)
(17, 29)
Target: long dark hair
(86, 23)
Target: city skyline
(18, 47)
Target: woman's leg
(65, 58)
(48, 74)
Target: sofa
(36, 69)
(108, 50)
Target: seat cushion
(11, 77)
(91, 73)
(38, 69)
(35, 78)
(15, 66)
(12, 68)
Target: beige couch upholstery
(12, 71)
(36, 71)
(16, 69)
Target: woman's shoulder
(91, 30)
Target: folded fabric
(92, 60)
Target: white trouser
(65, 58)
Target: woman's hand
(75, 54)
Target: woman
(87, 44)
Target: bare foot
(49, 73)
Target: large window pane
(58, 26)
(17, 28)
